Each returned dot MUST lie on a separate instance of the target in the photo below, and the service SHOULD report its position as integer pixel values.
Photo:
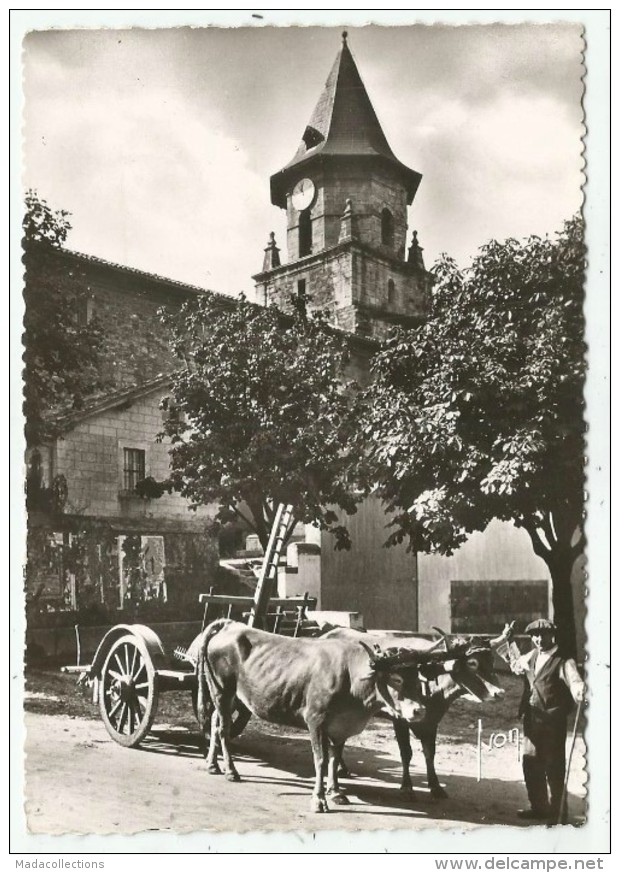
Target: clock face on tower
(303, 194)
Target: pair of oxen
(332, 686)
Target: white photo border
(593, 836)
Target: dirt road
(79, 781)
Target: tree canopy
(261, 413)
(61, 346)
(479, 412)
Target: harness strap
(426, 682)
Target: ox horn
(437, 645)
(443, 641)
(372, 653)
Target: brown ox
(332, 687)
(472, 676)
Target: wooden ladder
(271, 560)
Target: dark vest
(548, 696)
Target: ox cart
(130, 668)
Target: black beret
(541, 624)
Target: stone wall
(136, 345)
(90, 557)
(370, 191)
(362, 290)
(74, 566)
(91, 457)
(328, 280)
(58, 644)
(126, 303)
(371, 287)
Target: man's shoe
(533, 814)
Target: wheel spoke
(123, 719)
(114, 709)
(126, 655)
(129, 691)
(139, 709)
(131, 718)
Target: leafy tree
(479, 413)
(260, 413)
(61, 351)
(41, 224)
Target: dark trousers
(544, 761)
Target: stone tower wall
(352, 284)
(369, 191)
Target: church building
(349, 252)
(346, 197)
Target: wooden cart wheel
(129, 691)
(240, 715)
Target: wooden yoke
(271, 560)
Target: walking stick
(562, 811)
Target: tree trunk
(560, 562)
(560, 556)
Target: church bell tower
(346, 197)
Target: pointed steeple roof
(344, 124)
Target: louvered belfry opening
(305, 233)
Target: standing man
(552, 683)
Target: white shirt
(532, 663)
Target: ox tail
(205, 675)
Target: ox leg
(334, 792)
(212, 765)
(319, 741)
(401, 732)
(429, 740)
(225, 722)
(342, 770)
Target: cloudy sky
(161, 142)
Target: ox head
(470, 666)
(398, 682)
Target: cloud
(507, 167)
(491, 117)
(150, 183)
(161, 143)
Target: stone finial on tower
(415, 252)
(346, 222)
(272, 254)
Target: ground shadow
(375, 788)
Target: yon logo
(497, 740)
